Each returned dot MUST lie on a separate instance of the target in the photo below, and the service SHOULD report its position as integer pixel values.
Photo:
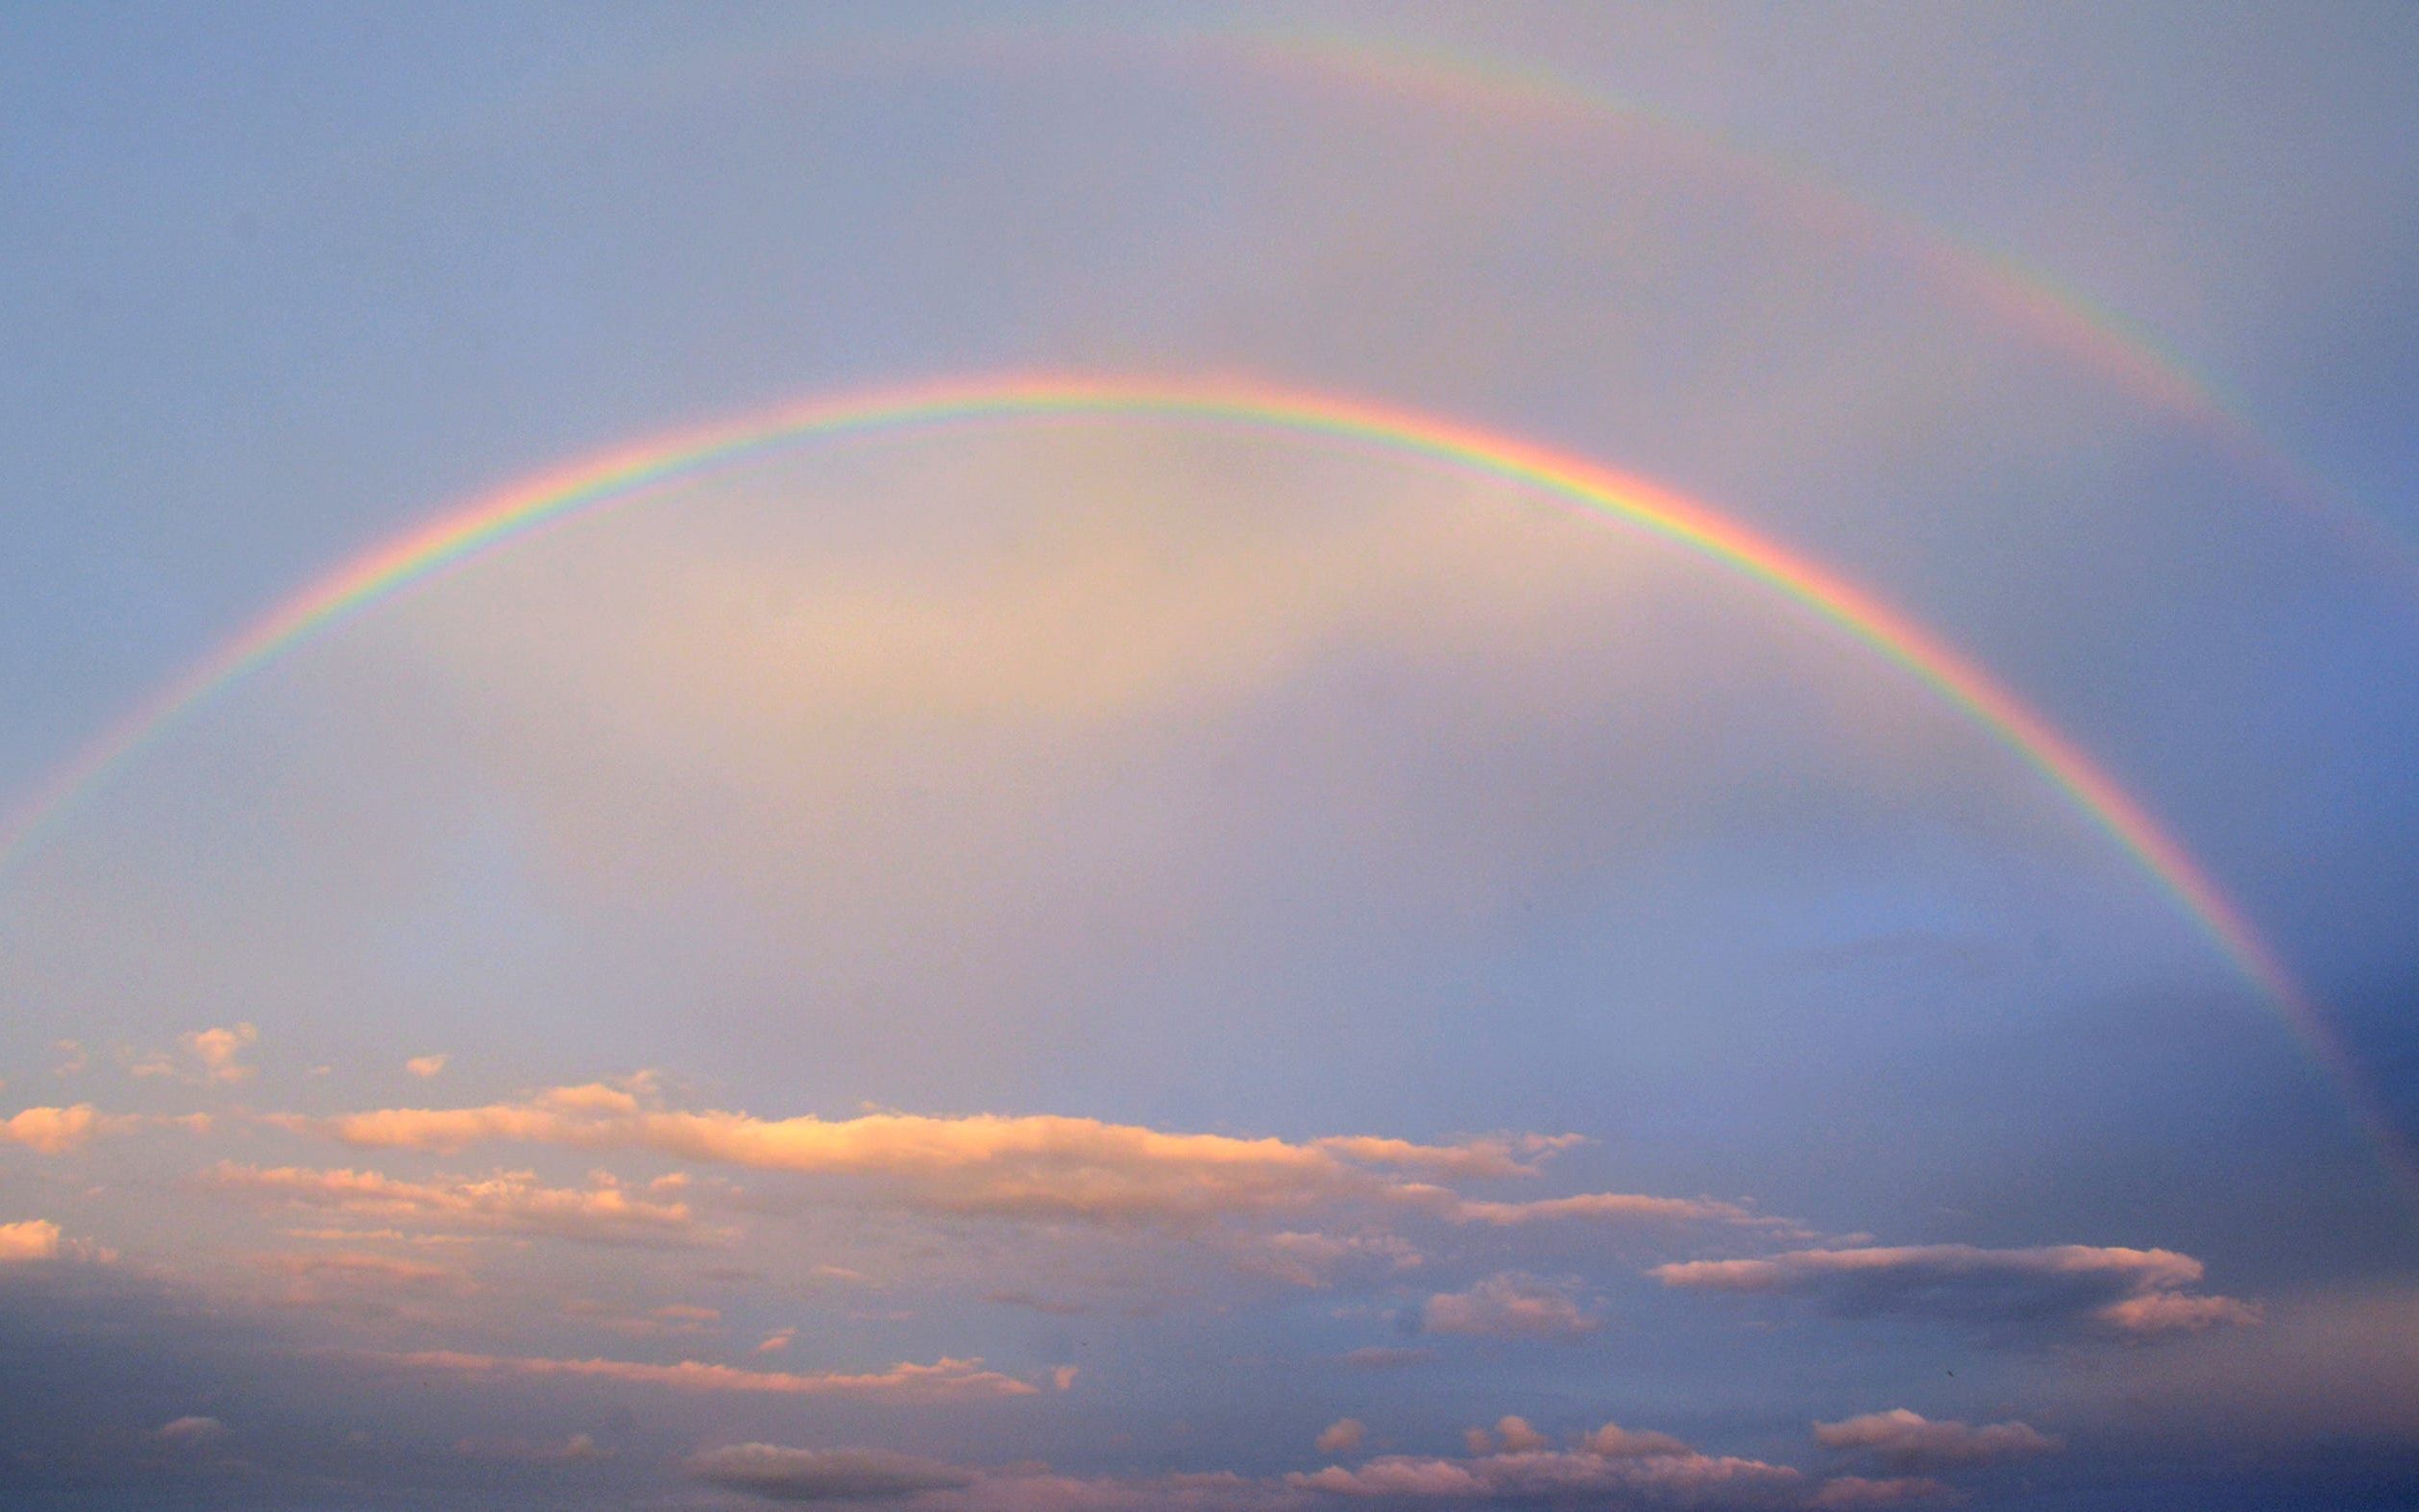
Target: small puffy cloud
(2134, 1292)
(56, 1131)
(1342, 1436)
(1063, 1377)
(824, 1475)
(776, 1341)
(426, 1066)
(34, 1239)
(1508, 1305)
(512, 1202)
(204, 1056)
(39, 1239)
(73, 1058)
(190, 1432)
(944, 1378)
(1905, 1439)
(1615, 1442)
(1512, 1436)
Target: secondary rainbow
(2025, 299)
(628, 473)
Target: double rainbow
(628, 473)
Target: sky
(1228, 757)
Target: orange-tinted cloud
(33, 1239)
(206, 1056)
(1342, 1436)
(1038, 1166)
(56, 1131)
(1906, 1440)
(509, 1201)
(944, 1378)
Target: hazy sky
(1152, 961)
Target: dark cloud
(2108, 1289)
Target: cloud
(1035, 1166)
(1342, 1436)
(33, 1239)
(1532, 1475)
(509, 1202)
(208, 1056)
(827, 1475)
(1905, 1439)
(426, 1066)
(39, 1239)
(944, 1378)
(809, 1476)
(56, 1131)
(1381, 1357)
(776, 1341)
(2137, 1292)
(1615, 1442)
(1524, 1471)
(1512, 1436)
(64, 1130)
(363, 1268)
(1619, 1206)
(570, 1450)
(1858, 1491)
(1316, 1260)
(1508, 1305)
(191, 1432)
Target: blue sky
(1122, 963)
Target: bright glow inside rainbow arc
(628, 472)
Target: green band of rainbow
(490, 521)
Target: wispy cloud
(944, 1378)
(1038, 1166)
(511, 1201)
(1509, 1305)
(2137, 1292)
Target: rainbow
(2021, 299)
(629, 472)
(2025, 298)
